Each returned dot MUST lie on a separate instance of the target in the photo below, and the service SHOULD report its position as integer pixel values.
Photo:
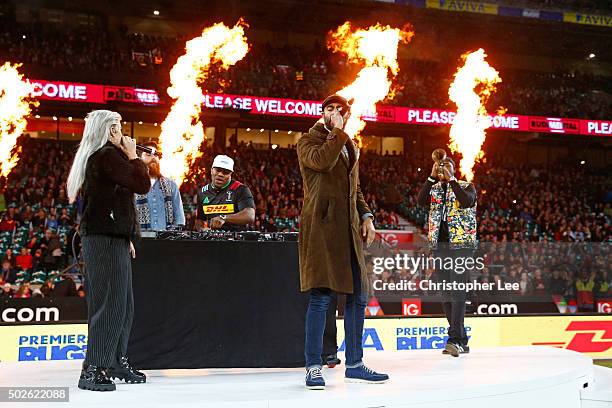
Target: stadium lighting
(156, 12)
(419, 169)
(23, 36)
(275, 130)
(274, 146)
(140, 122)
(261, 130)
(591, 56)
(289, 132)
(582, 162)
(155, 124)
(37, 116)
(69, 118)
(55, 118)
(248, 129)
(514, 201)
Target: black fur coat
(108, 193)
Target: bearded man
(335, 220)
(162, 207)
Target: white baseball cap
(224, 162)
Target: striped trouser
(110, 302)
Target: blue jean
(354, 315)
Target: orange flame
(376, 48)
(474, 83)
(182, 131)
(15, 105)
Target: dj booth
(217, 300)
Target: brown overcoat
(332, 211)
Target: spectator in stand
(602, 286)
(584, 291)
(26, 215)
(7, 292)
(47, 288)
(8, 274)
(40, 219)
(38, 263)
(24, 260)
(33, 245)
(64, 219)
(48, 200)
(23, 292)
(10, 258)
(52, 250)
(9, 220)
(558, 283)
(525, 284)
(539, 284)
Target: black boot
(94, 378)
(124, 371)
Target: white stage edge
(503, 377)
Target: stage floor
(502, 377)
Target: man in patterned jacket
(451, 233)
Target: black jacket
(108, 193)
(65, 288)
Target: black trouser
(330, 341)
(453, 301)
(110, 302)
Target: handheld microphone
(147, 149)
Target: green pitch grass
(605, 363)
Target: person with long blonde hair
(106, 173)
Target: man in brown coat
(334, 219)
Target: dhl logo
(218, 209)
(594, 337)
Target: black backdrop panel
(201, 304)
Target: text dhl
(586, 340)
(218, 209)
(52, 347)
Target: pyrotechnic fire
(474, 82)
(376, 48)
(182, 131)
(15, 105)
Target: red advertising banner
(411, 307)
(396, 238)
(256, 105)
(90, 93)
(604, 306)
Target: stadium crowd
(288, 72)
(543, 210)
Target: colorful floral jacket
(461, 221)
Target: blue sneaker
(314, 379)
(363, 374)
